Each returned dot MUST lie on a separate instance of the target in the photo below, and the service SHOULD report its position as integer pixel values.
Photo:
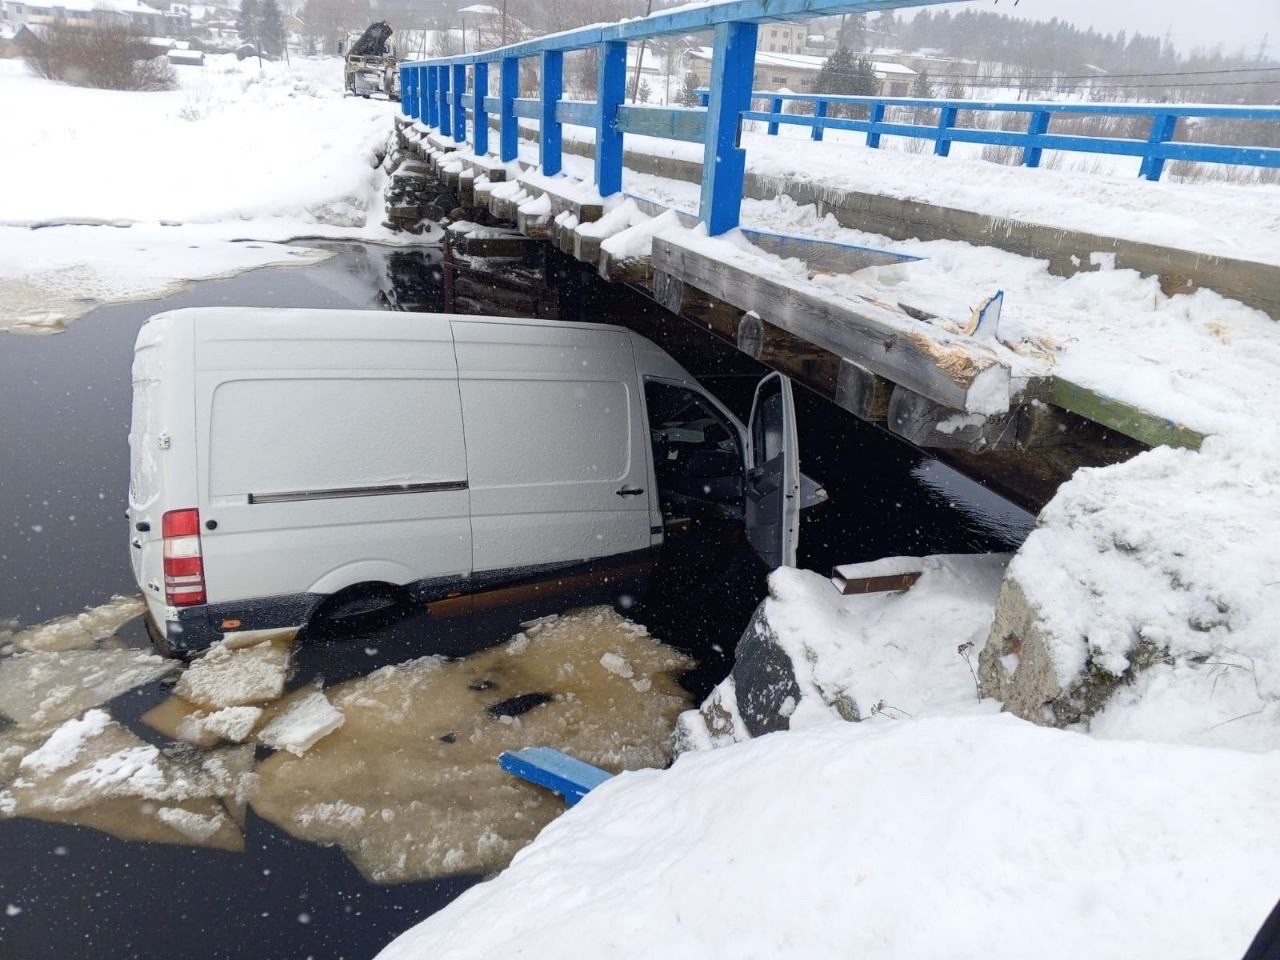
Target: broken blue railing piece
(547, 767)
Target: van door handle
(136, 543)
(630, 491)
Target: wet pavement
(73, 891)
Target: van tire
(356, 610)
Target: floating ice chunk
(230, 676)
(232, 723)
(64, 746)
(81, 629)
(39, 690)
(198, 827)
(617, 665)
(302, 724)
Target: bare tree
(107, 55)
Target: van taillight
(183, 563)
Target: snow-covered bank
(137, 194)
(978, 837)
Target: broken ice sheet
(178, 719)
(231, 675)
(305, 720)
(409, 787)
(93, 772)
(41, 689)
(78, 630)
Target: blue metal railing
(442, 92)
(434, 92)
(1155, 151)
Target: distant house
(22, 13)
(799, 73)
(782, 37)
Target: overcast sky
(1193, 23)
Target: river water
(71, 890)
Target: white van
(282, 458)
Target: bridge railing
(1159, 147)
(454, 94)
(451, 93)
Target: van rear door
(145, 473)
(555, 443)
(773, 473)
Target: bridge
(938, 375)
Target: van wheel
(357, 610)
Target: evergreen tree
(644, 93)
(853, 32)
(921, 86)
(689, 95)
(271, 28)
(844, 74)
(249, 20)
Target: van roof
(274, 322)
(285, 323)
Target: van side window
(697, 454)
(766, 429)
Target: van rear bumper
(198, 627)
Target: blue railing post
(876, 115)
(406, 92)
(819, 111)
(724, 163)
(552, 88)
(446, 119)
(775, 106)
(433, 98)
(459, 107)
(480, 77)
(508, 122)
(419, 94)
(1037, 126)
(1163, 127)
(611, 91)
(946, 120)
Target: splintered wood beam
(862, 393)
(1145, 427)
(947, 369)
(925, 423)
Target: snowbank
(976, 837)
(812, 655)
(1149, 593)
(140, 193)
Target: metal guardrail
(1155, 151)
(452, 94)
(436, 92)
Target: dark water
(64, 418)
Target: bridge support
(459, 109)
(610, 93)
(552, 89)
(724, 163)
(509, 123)
(480, 77)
